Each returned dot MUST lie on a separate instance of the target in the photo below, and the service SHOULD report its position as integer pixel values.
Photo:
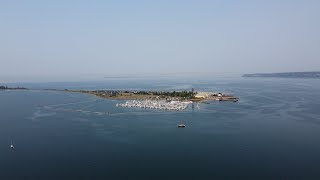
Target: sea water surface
(273, 132)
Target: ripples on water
(271, 133)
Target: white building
(204, 95)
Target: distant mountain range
(315, 74)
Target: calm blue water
(273, 132)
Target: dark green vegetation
(118, 94)
(315, 74)
(183, 94)
(10, 88)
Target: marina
(156, 104)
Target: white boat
(181, 125)
(11, 145)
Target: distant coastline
(12, 88)
(314, 74)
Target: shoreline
(182, 96)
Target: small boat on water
(181, 125)
(11, 145)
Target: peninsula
(158, 95)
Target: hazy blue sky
(61, 40)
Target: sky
(81, 40)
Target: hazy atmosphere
(166, 89)
(82, 40)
